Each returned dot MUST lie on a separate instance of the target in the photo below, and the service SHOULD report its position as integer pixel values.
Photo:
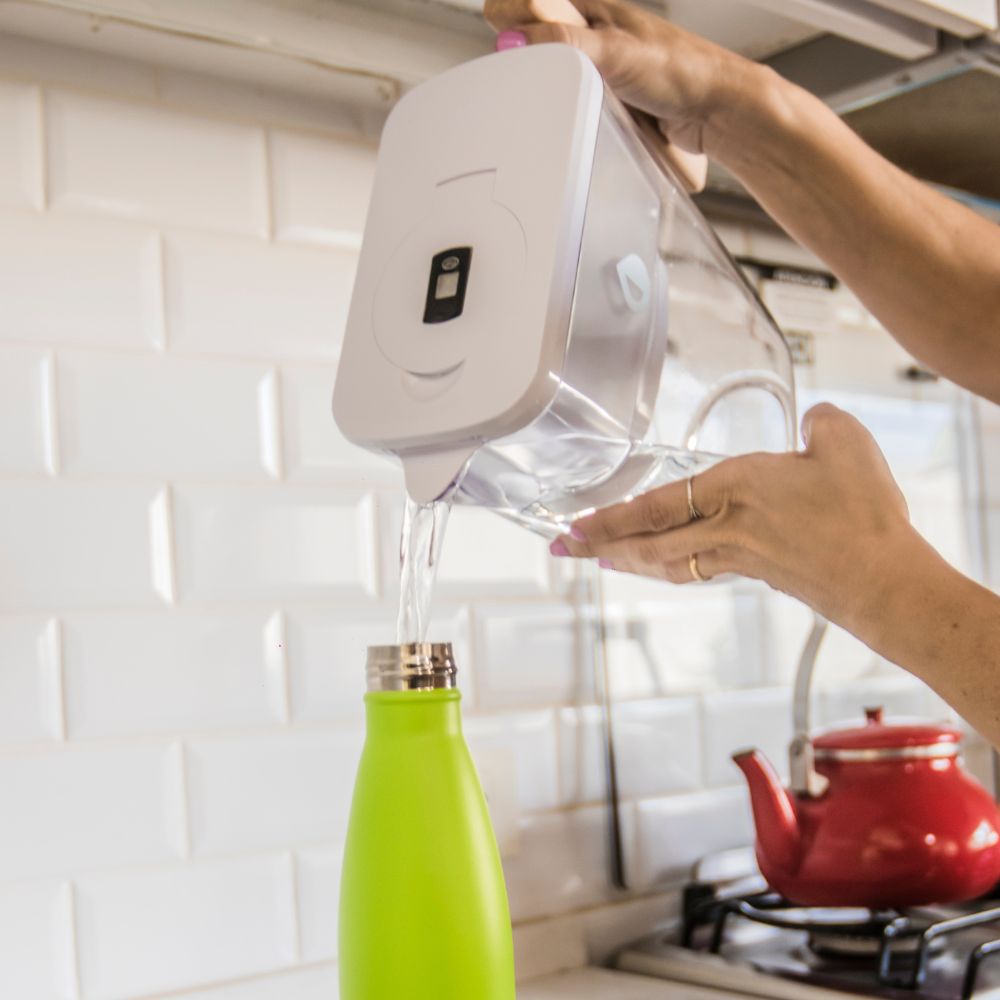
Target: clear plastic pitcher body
(672, 362)
(542, 320)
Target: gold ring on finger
(693, 513)
(695, 572)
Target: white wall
(192, 562)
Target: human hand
(694, 88)
(821, 524)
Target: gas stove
(750, 942)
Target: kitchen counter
(600, 984)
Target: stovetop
(758, 944)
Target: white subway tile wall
(26, 409)
(21, 152)
(193, 560)
(161, 929)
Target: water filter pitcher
(542, 321)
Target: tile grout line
(187, 837)
(263, 976)
(293, 865)
(163, 556)
(268, 163)
(160, 339)
(54, 628)
(74, 919)
(270, 424)
(276, 659)
(50, 414)
(44, 179)
(373, 542)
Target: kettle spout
(779, 838)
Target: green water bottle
(423, 908)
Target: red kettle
(887, 819)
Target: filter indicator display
(447, 284)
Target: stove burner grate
(901, 942)
(929, 935)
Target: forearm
(941, 626)
(926, 267)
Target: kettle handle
(805, 780)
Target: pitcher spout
(779, 838)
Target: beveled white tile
(253, 299)
(68, 810)
(546, 947)
(21, 152)
(483, 555)
(318, 875)
(25, 412)
(171, 672)
(657, 750)
(254, 792)
(75, 66)
(528, 655)
(843, 658)
(80, 545)
(314, 448)
(147, 162)
(82, 282)
(837, 355)
(899, 693)
(165, 929)
(317, 983)
(944, 526)
(327, 652)
(674, 833)
(787, 624)
(609, 929)
(562, 863)
(529, 739)
(735, 720)
(30, 687)
(36, 927)
(690, 640)
(278, 543)
(162, 417)
(321, 187)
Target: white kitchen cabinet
(904, 28)
(860, 21)
(960, 17)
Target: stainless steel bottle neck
(413, 666)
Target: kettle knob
(873, 716)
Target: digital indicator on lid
(446, 284)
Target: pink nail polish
(575, 532)
(511, 40)
(558, 548)
(605, 564)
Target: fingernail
(575, 532)
(558, 548)
(511, 40)
(605, 564)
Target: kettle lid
(877, 734)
